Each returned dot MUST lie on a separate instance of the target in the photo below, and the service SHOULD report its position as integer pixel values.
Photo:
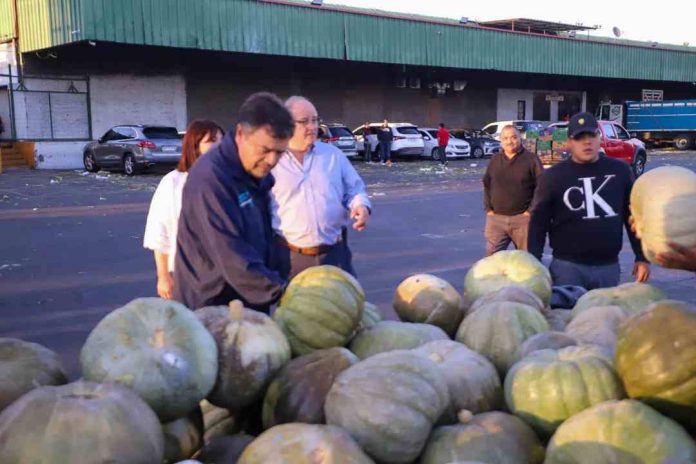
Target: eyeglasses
(307, 121)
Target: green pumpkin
(497, 331)
(298, 392)
(547, 387)
(428, 299)
(218, 422)
(392, 335)
(558, 319)
(389, 403)
(513, 293)
(656, 359)
(472, 380)
(157, 348)
(505, 268)
(224, 450)
(598, 326)
(183, 437)
(546, 341)
(492, 437)
(321, 308)
(632, 296)
(251, 350)
(25, 366)
(303, 444)
(82, 422)
(370, 317)
(625, 432)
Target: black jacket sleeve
(487, 188)
(540, 220)
(219, 217)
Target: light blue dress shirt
(311, 201)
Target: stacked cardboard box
(560, 147)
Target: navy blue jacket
(224, 239)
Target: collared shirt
(310, 201)
(162, 219)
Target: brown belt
(307, 251)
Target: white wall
(58, 155)
(507, 103)
(130, 99)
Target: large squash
(663, 201)
(159, 349)
(81, 422)
(473, 382)
(321, 308)
(620, 432)
(218, 422)
(392, 335)
(513, 267)
(492, 437)
(547, 387)
(25, 366)
(251, 349)
(303, 444)
(656, 359)
(497, 331)
(632, 296)
(370, 317)
(389, 403)
(546, 341)
(183, 437)
(298, 392)
(430, 300)
(513, 293)
(598, 326)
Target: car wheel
(477, 153)
(639, 164)
(683, 142)
(434, 154)
(129, 166)
(89, 162)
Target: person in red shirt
(442, 141)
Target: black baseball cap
(582, 123)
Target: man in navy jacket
(224, 239)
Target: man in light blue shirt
(316, 193)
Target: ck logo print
(244, 199)
(588, 199)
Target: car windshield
(407, 130)
(433, 133)
(340, 132)
(161, 133)
(529, 126)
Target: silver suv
(132, 148)
(339, 136)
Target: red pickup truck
(618, 143)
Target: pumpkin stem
(465, 416)
(158, 340)
(236, 311)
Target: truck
(551, 145)
(656, 123)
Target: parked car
(616, 142)
(456, 148)
(480, 142)
(407, 140)
(132, 148)
(339, 136)
(493, 129)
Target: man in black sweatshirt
(582, 204)
(508, 187)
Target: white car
(493, 129)
(456, 148)
(407, 140)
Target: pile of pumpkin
(492, 377)
(476, 379)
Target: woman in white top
(160, 230)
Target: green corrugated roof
(291, 28)
(6, 21)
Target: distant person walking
(443, 136)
